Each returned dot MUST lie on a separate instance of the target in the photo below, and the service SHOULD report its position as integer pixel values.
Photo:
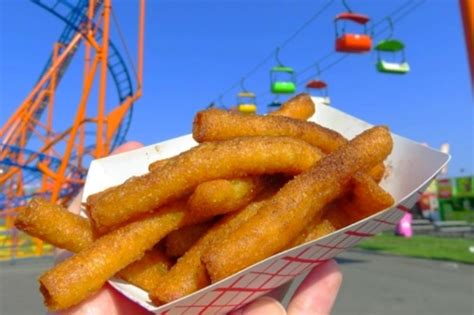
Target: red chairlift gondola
(318, 89)
(316, 84)
(352, 42)
(322, 96)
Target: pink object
(404, 227)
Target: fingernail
(264, 305)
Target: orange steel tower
(467, 15)
(35, 159)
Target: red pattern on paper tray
(247, 287)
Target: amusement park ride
(55, 168)
(283, 78)
(38, 161)
(352, 42)
(319, 89)
(396, 47)
(246, 100)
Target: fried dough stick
(221, 196)
(53, 224)
(298, 107)
(377, 172)
(216, 125)
(213, 125)
(151, 167)
(157, 164)
(208, 161)
(189, 273)
(365, 199)
(146, 272)
(179, 241)
(79, 276)
(285, 215)
(210, 198)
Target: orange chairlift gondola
(246, 101)
(398, 65)
(318, 89)
(352, 42)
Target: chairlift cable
(340, 59)
(282, 45)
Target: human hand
(108, 300)
(315, 295)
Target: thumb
(127, 146)
(318, 291)
(263, 305)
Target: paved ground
(18, 287)
(373, 284)
(383, 284)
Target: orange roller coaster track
(52, 165)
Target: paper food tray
(410, 169)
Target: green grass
(431, 247)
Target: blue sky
(194, 50)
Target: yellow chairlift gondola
(246, 101)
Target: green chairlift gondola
(388, 46)
(282, 78)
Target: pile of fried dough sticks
(253, 186)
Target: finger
(127, 146)
(106, 301)
(280, 292)
(263, 305)
(318, 291)
(75, 205)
